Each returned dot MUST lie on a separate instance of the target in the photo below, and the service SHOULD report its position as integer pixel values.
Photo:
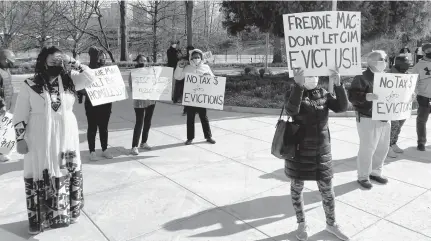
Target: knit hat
(426, 48)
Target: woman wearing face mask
(196, 67)
(308, 104)
(97, 116)
(374, 135)
(144, 110)
(47, 135)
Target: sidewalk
(233, 190)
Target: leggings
(143, 119)
(328, 198)
(97, 118)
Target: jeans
(97, 118)
(143, 118)
(191, 113)
(424, 110)
(328, 199)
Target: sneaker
(134, 151)
(397, 149)
(93, 156)
(302, 232)
(381, 180)
(106, 154)
(210, 140)
(365, 184)
(392, 153)
(4, 158)
(421, 147)
(336, 230)
(33, 230)
(189, 142)
(145, 146)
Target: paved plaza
(234, 190)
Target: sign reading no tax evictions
(204, 91)
(319, 41)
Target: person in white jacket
(196, 66)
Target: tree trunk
(156, 10)
(267, 52)
(189, 12)
(277, 58)
(123, 29)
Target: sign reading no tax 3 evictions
(394, 96)
(319, 41)
(7, 134)
(204, 91)
(108, 86)
(153, 83)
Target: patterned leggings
(328, 196)
(396, 130)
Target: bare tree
(13, 17)
(79, 14)
(123, 29)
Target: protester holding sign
(7, 59)
(401, 66)
(97, 116)
(144, 110)
(374, 135)
(423, 91)
(47, 134)
(196, 67)
(308, 104)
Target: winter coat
(423, 68)
(360, 87)
(201, 69)
(172, 55)
(309, 109)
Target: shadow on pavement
(263, 210)
(16, 232)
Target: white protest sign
(108, 86)
(394, 93)
(319, 41)
(204, 91)
(7, 134)
(152, 83)
(208, 55)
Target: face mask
(102, 62)
(174, 46)
(311, 82)
(428, 55)
(379, 66)
(196, 61)
(54, 70)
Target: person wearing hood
(97, 116)
(196, 67)
(308, 103)
(144, 110)
(401, 66)
(374, 135)
(7, 60)
(423, 91)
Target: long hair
(94, 53)
(41, 76)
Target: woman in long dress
(47, 133)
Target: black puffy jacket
(309, 109)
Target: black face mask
(54, 70)
(428, 55)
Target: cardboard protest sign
(208, 56)
(204, 91)
(108, 86)
(152, 83)
(7, 134)
(395, 96)
(319, 41)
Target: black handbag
(285, 140)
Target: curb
(272, 111)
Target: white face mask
(174, 46)
(378, 66)
(311, 82)
(196, 62)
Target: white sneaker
(336, 230)
(106, 154)
(145, 146)
(302, 232)
(4, 158)
(134, 151)
(392, 153)
(397, 149)
(93, 156)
